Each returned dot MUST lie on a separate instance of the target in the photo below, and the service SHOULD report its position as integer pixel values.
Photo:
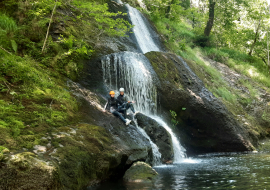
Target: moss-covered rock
(26, 171)
(140, 172)
(75, 157)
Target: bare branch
(5, 50)
(49, 27)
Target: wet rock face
(158, 135)
(128, 142)
(205, 124)
(140, 172)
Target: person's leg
(123, 111)
(129, 105)
(116, 113)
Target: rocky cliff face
(205, 124)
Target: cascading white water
(156, 154)
(143, 35)
(178, 150)
(131, 71)
(134, 72)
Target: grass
(7, 23)
(34, 98)
(182, 39)
(32, 101)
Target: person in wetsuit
(112, 105)
(124, 103)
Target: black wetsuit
(112, 105)
(124, 104)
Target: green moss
(166, 71)
(140, 172)
(85, 156)
(29, 172)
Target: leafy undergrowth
(32, 102)
(34, 96)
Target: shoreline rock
(140, 172)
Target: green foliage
(14, 45)
(216, 55)
(33, 93)
(7, 29)
(35, 99)
(106, 22)
(226, 94)
(7, 24)
(173, 120)
(266, 113)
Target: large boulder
(26, 171)
(140, 172)
(158, 135)
(205, 124)
(76, 156)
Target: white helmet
(121, 90)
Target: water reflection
(229, 171)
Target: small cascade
(179, 151)
(133, 72)
(156, 154)
(142, 33)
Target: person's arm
(125, 99)
(106, 106)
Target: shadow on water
(209, 171)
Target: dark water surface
(212, 171)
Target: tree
(256, 37)
(210, 21)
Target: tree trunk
(268, 62)
(256, 37)
(168, 10)
(210, 21)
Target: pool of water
(211, 171)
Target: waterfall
(156, 154)
(178, 150)
(134, 72)
(141, 30)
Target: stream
(210, 171)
